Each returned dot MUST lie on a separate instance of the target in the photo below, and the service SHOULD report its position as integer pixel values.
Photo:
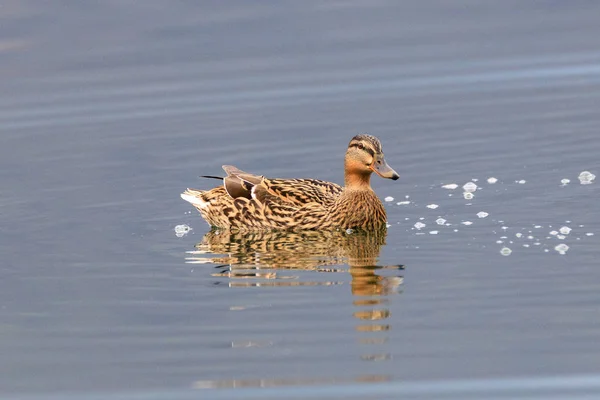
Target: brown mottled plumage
(253, 202)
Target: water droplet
(482, 214)
(389, 198)
(420, 225)
(561, 248)
(432, 206)
(586, 177)
(440, 221)
(450, 186)
(565, 230)
(470, 187)
(182, 230)
(491, 180)
(505, 251)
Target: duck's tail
(195, 197)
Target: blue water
(108, 111)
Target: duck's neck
(355, 181)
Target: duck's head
(363, 157)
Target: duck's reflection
(278, 259)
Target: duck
(250, 202)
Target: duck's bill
(381, 168)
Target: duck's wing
(303, 191)
(292, 191)
(239, 183)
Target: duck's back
(304, 191)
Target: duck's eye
(361, 146)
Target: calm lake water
(108, 110)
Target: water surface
(108, 111)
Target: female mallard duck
(253, 202)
